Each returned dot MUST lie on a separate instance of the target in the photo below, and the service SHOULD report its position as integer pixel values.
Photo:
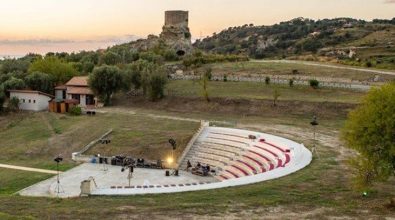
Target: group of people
(198, 169)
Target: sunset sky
(71, 25)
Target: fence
(301, 80)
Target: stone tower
(175, 32)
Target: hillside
(345, 40)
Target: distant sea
(2, 56)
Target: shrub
(208, 73)
(157, 84)
(267, 80)
(13, 104)
(314, 83)
(291, 82)
(295, 72)
(225, 78)
(75, 110)
(369, 64)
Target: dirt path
(27, 169)
(373, 71)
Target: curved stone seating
(239, 157)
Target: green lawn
(12, 181)
(252, 90)
(28, 140)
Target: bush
(314, 83)
(225, 78)
(291, 82)
(13, 104)
(369, 64)
(267, 80)
(208, 73)
(158, 82)
(295, 72)
(75, 111)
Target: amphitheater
(237, 157)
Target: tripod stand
(58, 189)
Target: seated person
(189, 165)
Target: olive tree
(105, 81)
(40, 81)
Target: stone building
(176, 33)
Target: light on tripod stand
(58, 188)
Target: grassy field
(323, 189)
(251, 90)
(34, 139)
(273, 68)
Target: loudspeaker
(167, 173)
(176, 173)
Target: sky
(72, 25)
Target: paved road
(373, 71)
(27, 169)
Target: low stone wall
(298, 80)
(79, 157)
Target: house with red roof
(78, 91)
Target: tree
(370, 130)
(204, 83)
(14, 65)
(2, 97)
(105, 81)
(208, 73)
(13, 83)
(276, 95)
(158, 81)
(110, 58)
(59, 70)
(40, 82)
(134, 73)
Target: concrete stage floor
(70, 181)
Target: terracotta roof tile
(79, 90)
(78, 81)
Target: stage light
(170, 160)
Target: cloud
(17, 47)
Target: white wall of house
(82, 99)
(59, 94)
(31, 101)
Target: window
(34, 101)
(30, 101)
(23, 100)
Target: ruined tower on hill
(175, 32)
